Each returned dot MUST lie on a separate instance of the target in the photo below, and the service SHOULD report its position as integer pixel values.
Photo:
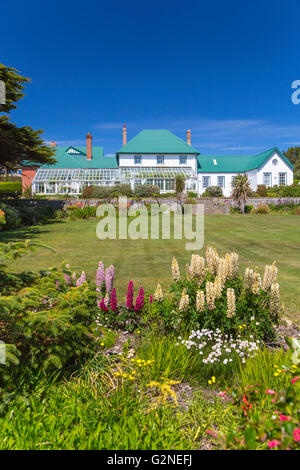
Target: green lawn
(258, 239)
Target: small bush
(10, 189)
(12, 217)
(192, 194)
(146, 190)
(262, 190)
(262, 209)
(213, 191)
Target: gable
(74, 151)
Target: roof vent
(215, 161)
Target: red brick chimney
(89, 146)
(188, 137)
(124, 135)
(52, 143)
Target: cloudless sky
(223, 69)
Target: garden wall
(211, 205)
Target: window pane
(221, 181)
(267, 179)
(137, 160)
(160, 159)
(282, 179)
(205, 181)
(182, 160)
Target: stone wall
(211, 205)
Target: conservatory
(73, 181)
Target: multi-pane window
(137, 159)
(267, 179)
(232, 180)
(169, 185)
(221, 181)
(282, 179)
(39, 187)
(205, 181)
(159, 183)
(160, 159)
(182, 159)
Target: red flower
(294, 379)
(270, 392)
(284, 418)
(296, 434)
(273, 443)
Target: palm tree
(241, 190)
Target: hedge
(10, 188)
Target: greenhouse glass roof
(117, 174)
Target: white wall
(151, 161)
(214, 182)
(280, 167)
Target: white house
(269, 168)
(153, 156)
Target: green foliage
(81, 212)
(284, 191)
(261, 209)
(12, 217)
(293, 155)
(10, 189)
(192, 194)
(278, 428)
(14, 84)
(213, 191)
(261, 369)
(262, 190)
(241, 190)
(146, 190)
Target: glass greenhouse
(73, 181)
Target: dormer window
(137, 159)
(73, 151)
(182, 159)
(160, 159)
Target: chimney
(124, 135)
(188, 137)
(52, 143)
(89, 146)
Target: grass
(258, 239)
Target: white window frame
(222, 177)
(265, 176)
(209, 182)
(160, 157)
(285, 178)
(139, 157)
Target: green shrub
(121, 190)
(213, 191)
(191, 200)
(200, 299)
(262, 190)
(10, 189)
(261, 209)
(145, 190)
(12, 217)
(192, 194)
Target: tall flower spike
(175, 269)
(230, 303)
(256, 285)
(129, 298)
(200, 301)
(274, 299)
(199, 268)
(270, 276)
(158, 295)
(100, 275)
(81, 279)
(113, 300)
(210, 295)
(218, 284)
(109, 278)
(184, 301)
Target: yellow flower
(276, 374)
(102, 344)
(213, 380)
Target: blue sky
(223, 69)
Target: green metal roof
(153, 141)
(236, 163)
(79, 160)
